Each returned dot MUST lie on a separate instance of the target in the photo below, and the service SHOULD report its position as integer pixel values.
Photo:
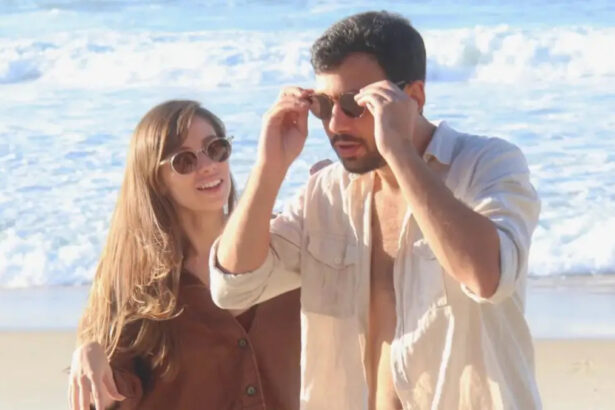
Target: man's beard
(370, 161)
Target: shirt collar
(441, 145)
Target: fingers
(384, 94)
(83, 394)
(383, 85)
(290, 109)
(288, 105)
(373, 102)
(109, 384)
(294, 101)
(72, 397)
(377, 95)
(96, 395)
(298, 96)
(297, 92)
(302, 121)
(386, 90)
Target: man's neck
(423, 133)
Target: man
(411, 254)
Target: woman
(151, 337)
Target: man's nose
(340, 122)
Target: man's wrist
(269, 174)
(398, 149)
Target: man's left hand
(395, 115)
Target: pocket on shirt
(428, 286)
(328, 275)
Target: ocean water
(76, 76)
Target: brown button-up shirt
(247, 362)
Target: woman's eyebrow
(209, 137)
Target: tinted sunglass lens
(321, 106)
(350, 106)
(184, 162)
(219, 150)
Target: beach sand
(572, 374)
(33, 369)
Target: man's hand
(395, 115)
(282, 138)
(91, 379)
(284, 129)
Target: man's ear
(416, 90)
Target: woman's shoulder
(286, 307)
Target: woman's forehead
(199, 132)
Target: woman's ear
(161, 184)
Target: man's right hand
(284, 129)
(91, 379)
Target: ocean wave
(36, 260)
(102, 59)
(504, 55)
(127, 60)
(72, 99)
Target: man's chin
(362, 165)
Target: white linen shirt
(452, 349)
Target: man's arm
(466, 243)
(244, 243)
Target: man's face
(352, 138)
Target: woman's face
(208, 187)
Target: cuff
(509, 273)
(237, 291)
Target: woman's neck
(201, 230)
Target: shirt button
(338, 260)
(242, 342)
(251, 390)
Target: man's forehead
(332, 84)
(356, 71)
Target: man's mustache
(346, 138)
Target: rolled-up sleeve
(278, 274)
(501, 190)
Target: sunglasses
(186, 162)
(322, 105)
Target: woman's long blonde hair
(136, 286)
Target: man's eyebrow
(351, 90)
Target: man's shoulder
(474, 148)
(333, 177)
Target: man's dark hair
(389, 38)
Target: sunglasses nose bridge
(203, 161)
(339, 120)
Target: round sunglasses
(185, 162)
(322, 105)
